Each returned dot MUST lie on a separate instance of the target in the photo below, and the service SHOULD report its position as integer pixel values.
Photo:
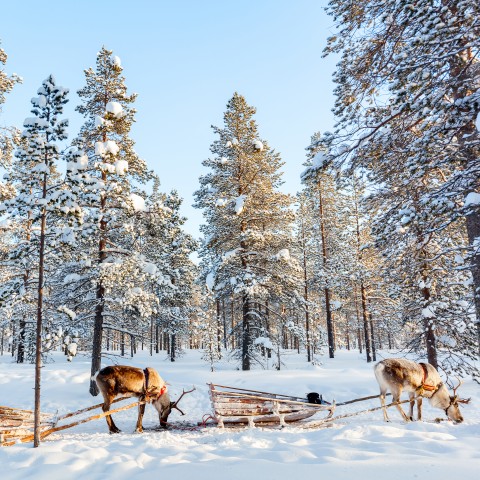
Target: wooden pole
(29, 438)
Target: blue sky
(185, 59)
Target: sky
(185, 59)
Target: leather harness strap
(424, 386)
(145, 372)
(162, 390)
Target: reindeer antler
(458, 386)
(175, 404)
(460, 400)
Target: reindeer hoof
(116, 430)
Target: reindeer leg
(411, 396)
(419, 408)
(141, 411)
(111, 424)
(382, 403)
(396, 400)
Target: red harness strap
(428, 388)
(162, 391)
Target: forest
(379, 250)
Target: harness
(424, 387)
(147, 395)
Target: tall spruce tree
(248, 229)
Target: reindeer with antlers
(146, 385)
(420, 380)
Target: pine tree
(322, 191)
(113, 199)
(413, 68)
(40, 195)
(9, 137)
(169, 248)
(247, 234)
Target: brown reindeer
(420, 380)
(147, 385)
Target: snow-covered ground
(357, 447)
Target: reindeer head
(453, 410)
(164, 406)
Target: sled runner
(238, 406)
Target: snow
(114, 108)
(283, 255)
(239, 204)
(258, 145)
(477, 122)
(264, 342)
(319, 159)
(472, 199)
(361, 447)
(221, 202)
(99, 121)
(210, 280)
(121, 167)
(72, 277)
(138, 202)
(149, 268)
(111, 147)
(67, 311)
(82, 162)
(428, 312)
(116, 61)
(99, 148)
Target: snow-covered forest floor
(352, 448)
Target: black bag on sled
(314, 397)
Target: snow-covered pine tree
(332, 255)
(40, 195)
(8, 135)
(423, 259)
(113, 201)
(305, 241)
(169, 248)
(414, 67)
(248, 229)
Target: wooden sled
(238, 406)
(17, 426)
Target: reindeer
(420, 380)
(146, 385)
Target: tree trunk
(21, 342)
(219, 328)
(372, 332)
(473, 231)
(347, 333)
(305, 294)
(38, 349)
(100, 297)
(368, 347)
(331, 339)
(246, 334)
(173, 347)
(224, 318)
